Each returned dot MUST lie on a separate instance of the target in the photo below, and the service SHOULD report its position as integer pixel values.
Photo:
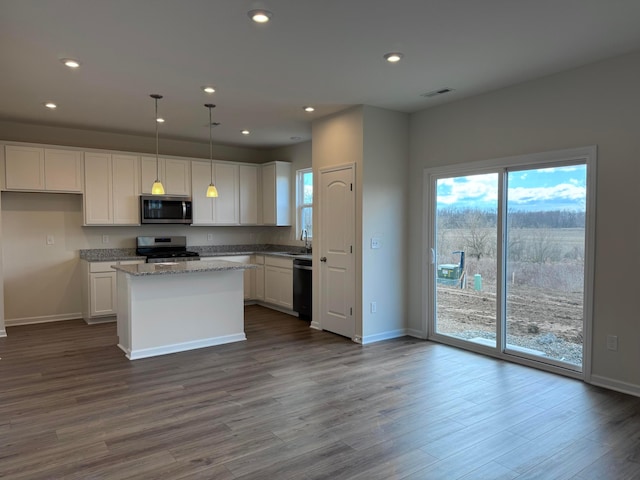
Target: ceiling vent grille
(435, 93)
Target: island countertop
(168, 268)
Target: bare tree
(478, 236)
(542, 247)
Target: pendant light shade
(157, 188)
(212, 191)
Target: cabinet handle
(323, 259)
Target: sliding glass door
(466, 257)
(545, 255)
(511, 257)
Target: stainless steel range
(165, 249)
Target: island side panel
(124, 312)
(177, 312)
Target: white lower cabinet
(258, 291)
(99, 297)
(278, 281)
(102, 290)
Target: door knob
(323, 259)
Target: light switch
(50, 240)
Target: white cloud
(480, 188)
(563, 191)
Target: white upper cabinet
(111, 189)
(43, 169)
(227, 205)
(249, 178)
(126, 189)
(98, 196)
(276, 180)
(223, 210)
(175, 175)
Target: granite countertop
(121, 254)
(144, 269)
(110, 254)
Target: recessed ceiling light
(208, 89)
(260, 16)
(50, 105)
(393, 57)
(160, 120)
(70, 62)
(245, 132)
(309, 109)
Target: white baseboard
(181, 347)
(3, 333)
(276, 307)
(416, 333)
(12, 322)
(97, 320)
(378, 337)
(618, 386)
(315, 325)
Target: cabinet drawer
(95, 267)
(259, 259)
(279, 262)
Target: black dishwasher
(302, 287)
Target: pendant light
(212, 191)
(157, 188)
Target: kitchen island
(177, 306)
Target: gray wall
(592, 105)
(384, 216)
(377, 142)
(74, 137)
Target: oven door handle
(302, 267)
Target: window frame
(300, 205)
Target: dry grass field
(544, 281)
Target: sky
(559, 188)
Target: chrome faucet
(305, 236)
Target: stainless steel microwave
(164, 209)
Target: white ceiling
(326, 53)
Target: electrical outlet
(50, 240)
(105, 238)
(376, 243)
(612, 342)
(209, 237)
(374, 307)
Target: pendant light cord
(157, 161)
(210, 146)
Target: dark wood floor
(295, 403)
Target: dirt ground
(545, 320)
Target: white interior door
(336, 240)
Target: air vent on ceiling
(435, 93)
